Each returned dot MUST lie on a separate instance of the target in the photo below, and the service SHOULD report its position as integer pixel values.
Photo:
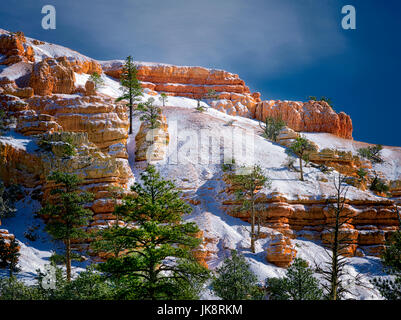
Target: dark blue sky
(286, 49)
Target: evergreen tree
(13, 289)
(109, 240)
(163, 98)
(298, 284)
(372, 153)
(333, 271)
(88, 285)
(97, 80)
(149, 113)
(2, 121)
(211, 94)
(301, 148)
(235, 280)
(248, 181)
(9, 256)
(390, 289)
(159, 246)
(8, 198)
(272, 127)
(131, 86)
(67, 214)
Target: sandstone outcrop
(18, 166)
(151, 144)
(280, 252)
(9, 87)
(311, 116)
(105, 121)
(15, 49)
(234, 97)
(52, 76)
(372, 224)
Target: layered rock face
(96, 129)
(234, 97)
(194, 82)
(366, 233)
(151, 144)
(311, 116)
(105, 121)
(52, 76)
(15, 49)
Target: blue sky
(285, 49)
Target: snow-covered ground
(198, 144)
(37, 245)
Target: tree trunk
(300, 167)
(253, 227)
(130, 113)
(68, 259)
(335, 252)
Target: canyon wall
(235, 98)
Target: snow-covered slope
(198, 144)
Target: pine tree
(97, 80)
(248, 181)
(131, 86)
(235, 280)
(163, 98)
(2, 121)
(67, 214)
(211, 94)
(159, 245)
(301, 147)
(372, 153)
(8, 198)
(272, 127)
(333, 271)
(109, 240)
(298, 284)
(9, 256)
(390, 289)
(149, 113)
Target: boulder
(52, 76)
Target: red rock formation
(14, 47)
(235, 98)
(372, 223)
(9, 87)
(312, 116)
(86, 66)
(19, 166)
(105, 121)
(151, 144)
(192, 82)
(280, 251)
(90, 88)
(52, 76)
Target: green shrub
(97, 80)
(379, 185)
(200, 108)
(361, 173)
(298, 284)
(372, 153)
(235, 280)
(272, 127)
(226, 167)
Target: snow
(198, 144)
(19, 141)
(391, 167)
(195, 165)
(16, 70)
(34, 254)
(112, 64)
